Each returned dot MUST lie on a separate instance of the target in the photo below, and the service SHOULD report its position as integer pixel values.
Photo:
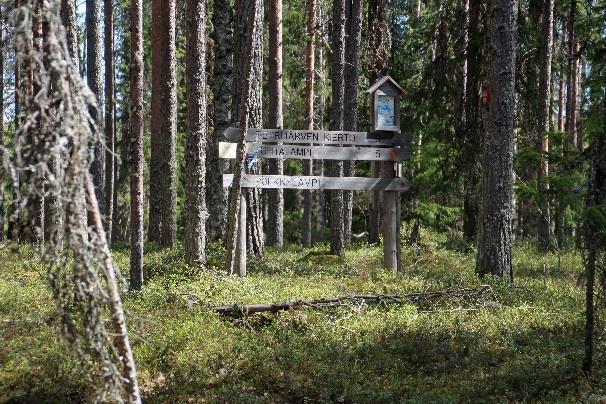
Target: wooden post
(241, 242)
(390, 221)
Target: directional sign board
(315, 137)
(305, 152)
(315, 182)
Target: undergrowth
(520, 343)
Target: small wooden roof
(382, 81)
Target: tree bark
(216, 196)
(353, 12)
(120, 336)
(544, 222)
(337, 213)
(495, 233)
(379, 45)
(94, 79)
(13, 219)
(110, 107)
(163, 167)
(255, 243)
(246, 87)
(195, 152)
(595, 241)
(310, 55)
(136, 144)
(2, 45)
(472, 141)
(275, 197)
(68, 18)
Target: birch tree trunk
(94, 79)
(163, 167)
(136, 144)
(275, 197)
(495, 233)
(195, 152)
(216, 196)
(353, 12)
(310, 56)
(337, 236)
(544, 222)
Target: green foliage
(522, 343)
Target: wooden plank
(304, 152)
(323, 183)
(315, 137)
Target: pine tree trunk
(337, 212)
(544, 221)
(13, 220)
(94, 79)
(310, 56)
(136, 144)
(195, 152)
(353, 12)
(379, 45)
(473, 126)
(247, 23)
(595, 240)
(495, 233)
(253, 200)
(2, 38)
(275, 197)
(216, 196)
(163, 167)
(68, 18)
(110, 130)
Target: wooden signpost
(385, 144)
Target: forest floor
(522, 343)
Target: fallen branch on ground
(236, 310)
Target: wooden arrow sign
(315, 182)
(304, 152)
(315, 137)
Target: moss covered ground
(521, 343)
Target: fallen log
(236, 310)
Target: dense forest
(133, 132)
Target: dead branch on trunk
(237, 311)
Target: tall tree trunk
(595, 239)
(310, 56)
(275, 197)
(253, 200)
(216, 196)
(136, 144)
(2, 45)
(337, 213)
(570, 124)
(379, 45)
(353, 12)
(68, 18)
(319, 114)
(94, 79)
(495, 233)
(544, 222)
(110, 107)
(163, 167)
(195, 152)
(13, 220)
(473, 126)
(246, 19)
